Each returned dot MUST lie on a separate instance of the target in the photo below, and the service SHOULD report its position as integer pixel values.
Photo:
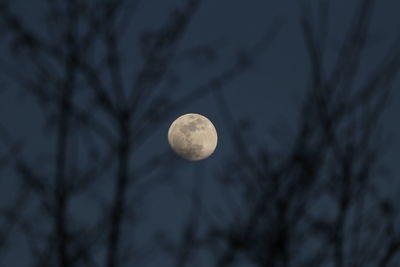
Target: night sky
(264, 102)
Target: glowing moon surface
(193, 137)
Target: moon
(193, 137)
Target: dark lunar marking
(198, 124)
(201, 123)
(193, 151)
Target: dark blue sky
(269, 95)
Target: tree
(95, 118)
(318, 201)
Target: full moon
(193, 137)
